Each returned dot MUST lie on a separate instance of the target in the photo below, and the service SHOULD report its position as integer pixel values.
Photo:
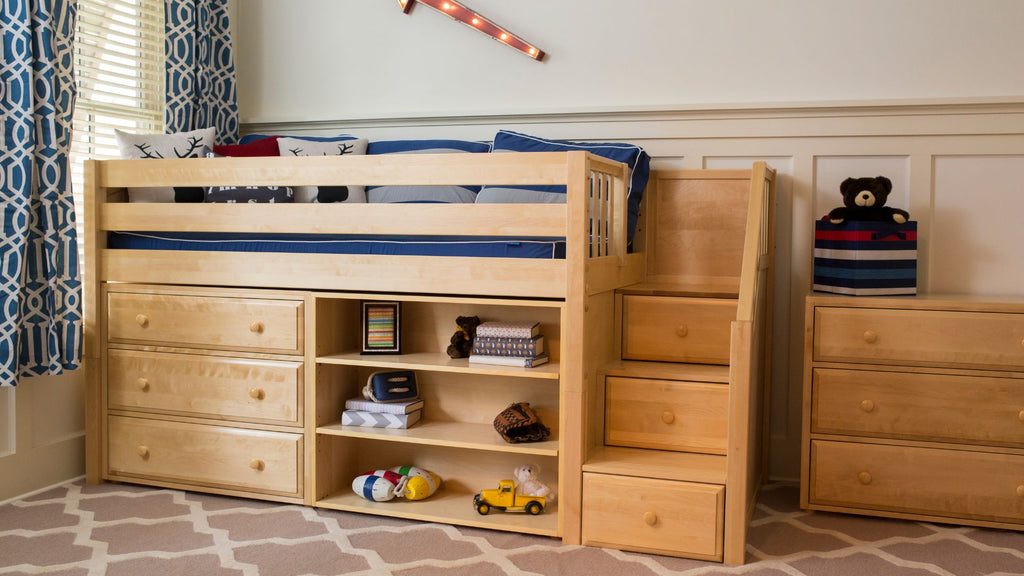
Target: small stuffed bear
(528, 484)
(864, 201)
(462, 341)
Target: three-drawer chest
(913, 407)
(204, 390)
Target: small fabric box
(865, 258)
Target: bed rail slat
(519, 220)
(394, 169)
(515, 277)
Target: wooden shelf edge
(439, 363)
(444, 434)
(666, 465)
(712, 373)
(447, 507)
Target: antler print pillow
(176, 145)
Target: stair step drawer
(654, 516)
(201, 455)
(939, 482)
(244, 389)
(252, 324)
(666, 415)
(672, 329)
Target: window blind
(119, 71)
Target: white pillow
(177, 145)
(333, 147)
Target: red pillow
(262, 147)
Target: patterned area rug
(122, 530)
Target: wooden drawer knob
(256, 327)
(668, 417)
(257, 393)
(143, 384)
(870, 336)
(864, 478)
(650, 518)
(142, 320)
(143, 451)
(682, 331)
(257, 464)
(867, 405)
(1020, 415)
(1020, 490)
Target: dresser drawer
(672, 329)
(650, 515)
(920, 338)
(247, 389)
(205, 322)
(214, 456)
(932, 481)
(937, 407)
(666, 415)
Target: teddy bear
(462, 341)
(528, 484)
(864, 200)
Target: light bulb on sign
(463, 14)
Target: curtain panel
(40, 285)
(200, 69)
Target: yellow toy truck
(505, 498)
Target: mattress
(464, 246)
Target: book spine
(378, 420)
(508, 346)
(379, 408)
(500, 330)
(524, 361)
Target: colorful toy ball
(419, 483)
(377, 487)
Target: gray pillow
(177, 145)
(342, 146)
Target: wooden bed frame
(172, 336)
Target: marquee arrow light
(470, 18)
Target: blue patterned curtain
(40, 288)
(200, 70)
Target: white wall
(924, 91)
(335, 59)
(42, 440)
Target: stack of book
(509, 344)
(360, 412)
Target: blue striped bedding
(465, 246)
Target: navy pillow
(452, 194)
(250, 138)
(243, 194)
(630, 154)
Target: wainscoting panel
(956, 166)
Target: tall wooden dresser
(914, 408)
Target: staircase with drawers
(676, 426)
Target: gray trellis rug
(122, 530)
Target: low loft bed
(226, 371)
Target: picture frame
(382, 327)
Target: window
(119, 69)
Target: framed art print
(382, 328)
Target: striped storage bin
(865, 258)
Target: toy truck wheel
(483, 508)
(533, 508)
